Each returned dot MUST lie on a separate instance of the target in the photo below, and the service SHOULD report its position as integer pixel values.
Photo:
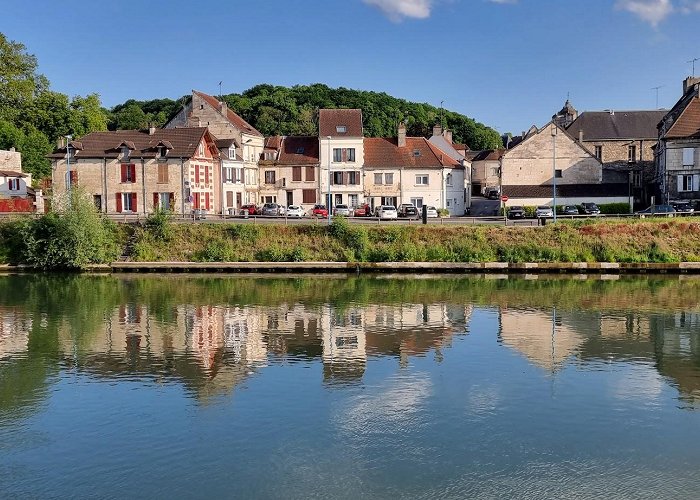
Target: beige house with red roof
(204, 110)
(678, 150)
(341, 156)
(136, 171)
(412, 170)
(289, 171)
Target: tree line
(33, 117)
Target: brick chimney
(580, 135)
(437, 130)
(689, 82)
(151, 128)
(448, 135)
(222, 108)
(402, 135)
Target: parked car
(199, 214)
(516, 212)
(408, 210)
(251, 208)
(590, 209)
(343, 210)
(387, 212)
(570, 210)
(295, 211)
(432, 213)
(270, 209)
(543, 211)
(363, 210)
(664, 210)
(492, 194)
(682, 207)
(319, 211)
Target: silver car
(543, 211)
(343, 210)
(387, 212)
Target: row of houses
(208, 158)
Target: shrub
(614, 208)
(247, 233)
(216, 251)
(339, 227)
(443, 212)
(158, 225)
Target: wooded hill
(293, 111)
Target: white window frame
(686, 183)
(337, 155)
(448, 180)
(422, 180)
(688, 157)
(378, 179)
(13, 184)
(417, 202)
(389, 179)
(352, 200)
(126, 203)
(341, 129)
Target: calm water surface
(194, 387)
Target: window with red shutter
(155, 201)
(119, 202)
(196, 174)
(206, 175)
(124, 167)
(196, 200)
(133, 172)
(134, 206)
(206, 201)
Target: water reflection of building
(14, 331)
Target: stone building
(289, 171)
(624, 142)
(16, 191)
(678, 151)
(135, 172)
(204, 110)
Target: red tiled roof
(231, 116)
(299, 150)
(688, 123)
(418, 152)
(488, 154)
(274, 142)
(330, 119)
(10, 173)
(184, 143)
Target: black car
(682, 207)
(408, 210)
(590, 209)
(570, 210)
(516, 212)
(492, 194)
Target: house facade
(486, 171)
(341, 157)
(678, 150)
(136, 172)
(233, 187)
(204, 110)
(412, 170)
(16, 192)
(289, 171)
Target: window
(300, 151)
(351, 154)
(449, 203)
(125, 152)
(352, 200)
(128, 172)
(201, 149)
(632, 154)
(308, 196)
(416, 152)
(310, 174)
(164, 201)
(238, 175)
(685, 183)
(378, 179)
(296, 173)
(341, 129)
(338, 178)
(599, 152)
(97, 201)
(228, 174)
(337, 154)
(421, 180)
(232, 153)
(73, 179)
(13, 184)
(688, 157)
(269, 177)
(353, 178)
(637, 179)
(338, 199)
(388, 179)
(448, 180)
(163, 173)
(558, 173)
(126, 202)
(417, 202)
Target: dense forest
(33, 117)
(293, 111)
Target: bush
(443, 212)
(614, 208)
(158, 225)
(248, 233)
(216, 251)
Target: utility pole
(692, 61)
(442, 125)
(220, 89)
(657, 94)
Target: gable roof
(616, 125)
(231, 116)
(184, 143)
(444, 145)
(564, 132)
(382, 152)
(687, 125)
(299, 150)
(488, 154)
(330, 119)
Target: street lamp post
(328, 201)
(554, 172)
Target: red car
(319, 211)
(363, 210)
(252, 209)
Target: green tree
(19, 81)
(131, 117)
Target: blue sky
(506, 63)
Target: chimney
(222, 107)
(12, 149)
(151, 128)
(60, 143)
(402, 135)
(437, 130)
(522, 135)
(580, 135)
(448, 136)
(689, 83)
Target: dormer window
(300, 151)
(341, 129)
(162, 151)
(201, 149)
(125, 151)
(416, 152)
(231, 153)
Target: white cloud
(396, 10)
(651, 11)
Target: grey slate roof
(616, 125)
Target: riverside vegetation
(76, 236)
